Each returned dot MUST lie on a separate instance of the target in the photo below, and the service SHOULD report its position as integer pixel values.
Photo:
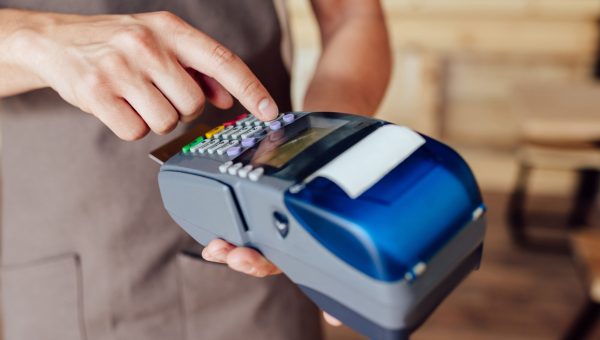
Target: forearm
(15, 76)
(354, 68)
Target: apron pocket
(42, 299)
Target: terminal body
(374, 222)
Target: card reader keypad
(229, 140)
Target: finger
(217, 251)
(182, 91)
(251, 262)
(331, 320)
(151, 105)
(202, 53)
(120, 117)
(215, 92)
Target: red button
(242, 116)
(229, 123)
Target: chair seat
(561, 157)
(559, 112)
(586, 247)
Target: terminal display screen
(278, 148)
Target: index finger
(199, 51)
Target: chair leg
(516, 207)
(584, 322)
(585, 197)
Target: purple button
(233, 151)
(248, 142)
(275, 125)
(288, 118)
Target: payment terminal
(374, 222)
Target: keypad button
(223, 167)
(243, 172)
(242, 122)
(212, 132)
(255, 174)
(248, 142)
(255, 130)
(238, 133)
(223, 149)
(228, 134)
(288, 118)
(201, 148)
(195, 142)
(275, 125)
(234, 151)
(222, 132)
(251, 121)
(234, 168)
(217, 146)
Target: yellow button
(210, 133)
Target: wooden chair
(560, 129)
(586, 252)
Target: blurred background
(514, 86)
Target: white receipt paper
(366, 162)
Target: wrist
(23, 44)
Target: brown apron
(88, 251)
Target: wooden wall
(456, 62)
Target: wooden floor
(517, 294)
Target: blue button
(234, 151)
(248, 142)
(275, 125)
(288, 118)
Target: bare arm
(354, 68)
(133, 72)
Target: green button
(195, 142)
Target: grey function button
(223, 167)
(207, 144)
(243, 173)
(255, 130)
(223, 149)
(234, 168)
(231, 132)
(222, 132)
(237, 134)
(217, 146)
(242, 122)
(255, 174)
(251, 121)
(199, 145)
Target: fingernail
(206, 255)
(219, 255)
(245, 267)
(267, 109)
